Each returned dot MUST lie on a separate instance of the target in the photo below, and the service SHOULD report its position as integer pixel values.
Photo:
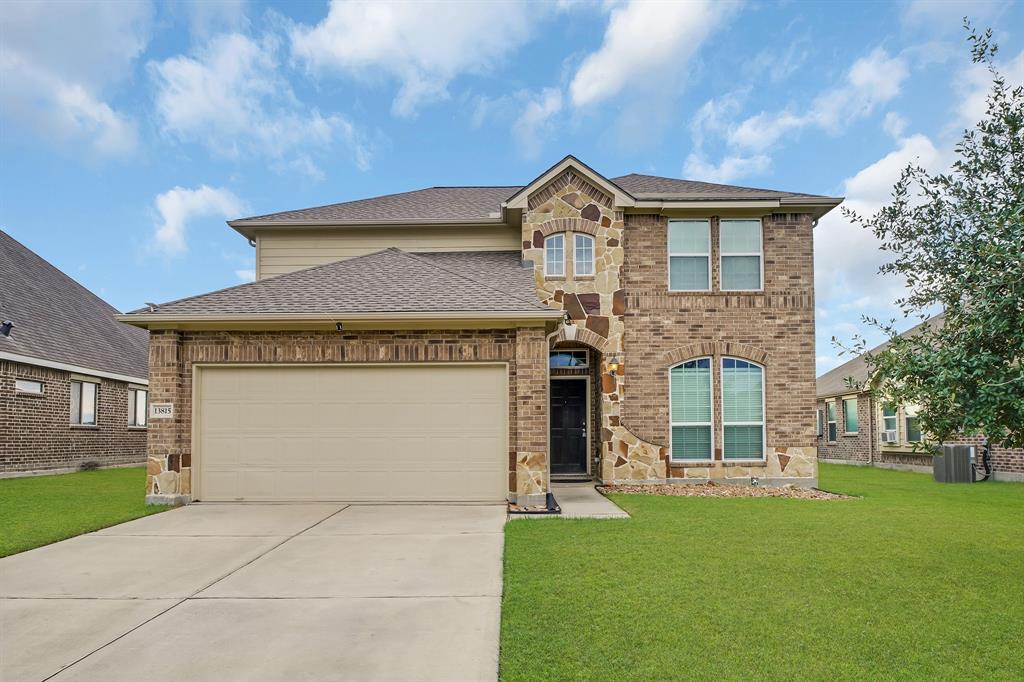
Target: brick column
(531, 481)
(168, 477)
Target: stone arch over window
(582, 335)
(569, 225)
(717, 349)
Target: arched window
(690, 408)
(583, 255)
(743, 432)
(554, 256)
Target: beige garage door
(353, 433)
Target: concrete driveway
(261, 592)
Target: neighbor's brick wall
(854, 448)
(774, 327)
(36, 431)
(173, 354)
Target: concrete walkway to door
(261, 592)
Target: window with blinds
(690, 406)
(689, 255)
(741, 252)
(742, 409)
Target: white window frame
(759, 254)
(857, 413)
(895, 423)
(548, 262)
(576, 236)
(764, 410)
(76, 420)
(710, 424)
(671, 254)
(586, 357)
(820, 420)
(833, 422)
(133, 409)
(907, 426)
(20, 386)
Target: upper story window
(28, 386)
(743, 424)
(83, 403)
(689, 255)
(690, 409)
(138, 400)
(741, 255)
(554, 256)
(583, 255)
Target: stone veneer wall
(36, 432)
(625, 310)
(173, 353)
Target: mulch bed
(723, 490)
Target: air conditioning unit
(889, 436)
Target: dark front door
(568, 426)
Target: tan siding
(289, 250)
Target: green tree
(957, 238)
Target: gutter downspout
(871, 424)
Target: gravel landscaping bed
(727, 490)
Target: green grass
(916, 580)
(38, 510)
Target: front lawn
(916, 580)
(38, 510)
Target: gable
(570, 172)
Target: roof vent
(6, 327)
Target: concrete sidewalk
(261, 592)
(579, 501)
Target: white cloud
(533, 125)
(727, 170)
(246, 275)
(178, 206)
(846, 256)
(232, 99)
(58, 62)
(871, 81)
(894, 125)
(974, 83)
(422, 45)
(645, 42)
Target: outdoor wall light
(338, 326)
(613, 363)
(6, 327)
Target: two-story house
(476, 343)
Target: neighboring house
(73, 380)
(474, 343)
(856, 428)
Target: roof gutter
(78, 369)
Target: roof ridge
(467, 277)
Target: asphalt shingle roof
(483, 203)
(833, 382)
(389, 281)
(56, 318)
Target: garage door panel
(366, 433)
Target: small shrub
(89, 466)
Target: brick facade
(866, 447)
(625, 311)
(774, 328)
(174, 353)
(36, 433)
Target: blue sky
(130, 131)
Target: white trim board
(26, 360)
